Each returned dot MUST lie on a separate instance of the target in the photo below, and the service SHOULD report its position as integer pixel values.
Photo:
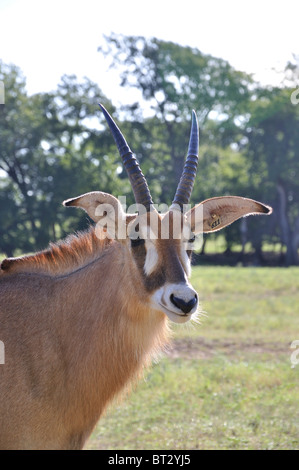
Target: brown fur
(78, 327)
(61, 258)
(68, 350)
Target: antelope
(81, 320)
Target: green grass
(228, 383)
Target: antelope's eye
(192, 239)
(137, 242)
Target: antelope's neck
(112, 332)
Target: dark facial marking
(137, 242)
(154, 280)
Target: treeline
(56, 145)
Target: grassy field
(226, 383)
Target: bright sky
(49, 38)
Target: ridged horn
(185, 186)
(136, 177)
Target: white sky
(48, 38)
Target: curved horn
(136, 177)
(185, 186)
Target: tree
(51, 149)
(174, 79)
(21, 131)
(273, 149)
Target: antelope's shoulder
(63, 257)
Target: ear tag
(216, 221)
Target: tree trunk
(203, 246)
(286, 235)
(295, 241)
(243, 234)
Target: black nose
(186, 307)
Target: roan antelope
(82, 319)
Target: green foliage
(50, 150)
(273, 141)
(57, 145)
(273, 153)
(176, 79)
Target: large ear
(104, 209)
(218, 212)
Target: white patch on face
(185, 261)
(151, 260)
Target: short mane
(60, 258)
